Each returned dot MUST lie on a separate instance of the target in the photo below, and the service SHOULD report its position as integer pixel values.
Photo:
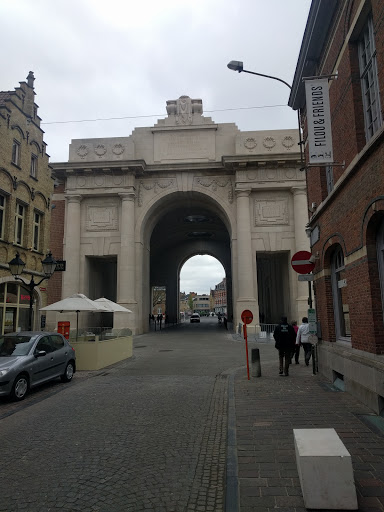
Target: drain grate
(373, 422)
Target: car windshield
(15, 345)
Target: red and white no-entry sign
(301, 262)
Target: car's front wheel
(20, 387)
(69, 371)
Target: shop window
(19, 224)
(14, 307)
(16, 152)
(369, 80)
(340, 296)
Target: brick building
(26, 186)
(346, 199)
(221, 297)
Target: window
(380, 260)
(329, 176)
(16, 152)
(340, 296)
(34, 166)
(14, 307)
(2, 215)
(36, 231)
(369, 80)
(19, 224)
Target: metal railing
(266, 331)
(98, 333)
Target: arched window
(380, 259)
(340, 296)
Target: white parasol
(76, 303)
(112, 306)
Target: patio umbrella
(76, 303)
(112, 306)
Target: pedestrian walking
(303, 338)
(225, 322)
(297, 343)
(285, 336)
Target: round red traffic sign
(247, 316)
(301, 262)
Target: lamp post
(237, 65)
(16, 267)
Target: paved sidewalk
(270, 407)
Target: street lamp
(237, 65)
(16, 267)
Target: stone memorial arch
(135, 209)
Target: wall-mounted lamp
(308, 230)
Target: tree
(158, 295)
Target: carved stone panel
(102, 217)
(271, 212)
(184, 145)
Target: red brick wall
(346, 219)
(57, 238)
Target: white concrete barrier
(325, 469)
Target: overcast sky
(94, 59)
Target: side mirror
(40, 353)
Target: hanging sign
(319, 121)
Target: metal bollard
(255, 357)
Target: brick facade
(26, 185)
(350, 215)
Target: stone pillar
(247, 284)
(300, 209)
(71, 277)
(126, 273)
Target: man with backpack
(285, 338)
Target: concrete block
(325, 470)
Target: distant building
(221, 297)
(26, 187)
(201, 304)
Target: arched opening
(203, 287)
(185, 225)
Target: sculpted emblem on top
(184, 108)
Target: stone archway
(124, 201)
(179, 226)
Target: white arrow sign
(305, 277)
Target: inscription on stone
(102, 218)
(271, 212)
(186, 145)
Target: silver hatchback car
(28, 359)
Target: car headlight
(4, 372)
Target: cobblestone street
(179, 428)
(146, 434)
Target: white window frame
(369, 80)
(337, 266)
(37, 221)
(3, 205)
(19, 221)
(16, 147)
(33, 169)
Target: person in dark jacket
(285, 338)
